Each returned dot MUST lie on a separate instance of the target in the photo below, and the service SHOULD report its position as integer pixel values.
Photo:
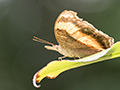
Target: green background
(21, 57)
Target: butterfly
(76, 37)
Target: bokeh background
(21, 57)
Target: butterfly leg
(60, 58)
(74, 58)
(77, 58)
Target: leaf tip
(35, 82)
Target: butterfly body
(70, 52)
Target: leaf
(54, 68)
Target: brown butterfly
(76, 37)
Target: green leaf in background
(54, 68)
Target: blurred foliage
(21, 57)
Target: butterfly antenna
(42, 41)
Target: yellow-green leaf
(54, 68)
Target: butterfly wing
(71, 31)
